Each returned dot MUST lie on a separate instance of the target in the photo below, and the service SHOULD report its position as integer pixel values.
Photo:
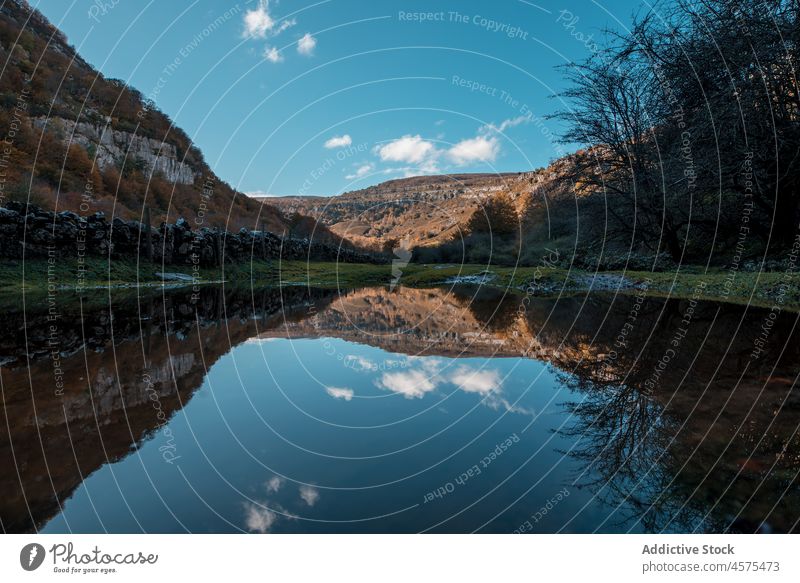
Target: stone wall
(30, 232)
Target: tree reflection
(712, 446)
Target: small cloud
(272, 55)
(362, 362)
(306, 44)
(411, 384)
(508, 123)
(274, 484)
(360, 172)
(477, 149)
(432, 365)
(476, 381)
(339, 142)
(259, 23)
(339, 393)
(309, 494)
(409, 149)
(283, 26)
(485, 146)
(258, 518)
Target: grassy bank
(763, 289)
(99, 273)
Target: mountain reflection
(674, 420)
(707, 442)
(116, 364)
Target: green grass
(745, 287)
(65, 273)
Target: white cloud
(426, 157)
(485, 146)
(507, 123)
(432, 373)
(305, 46)
(272, 55)
(259, 23)
(433, 365)
(477, 149)
(274, 484)
(416, 383)
(283, 26)
(339, 141)
(409, 149)
(309, 494)
(411, 384)
(364, 363)
(429, 166)
(360, 172)
(339, 393)
(476, 381)
(258, 518)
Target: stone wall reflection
(64, 423)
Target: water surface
(436, 410)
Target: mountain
(422, 210)
(77, 140)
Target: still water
(410, 410)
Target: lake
(299, 410)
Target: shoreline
(778, 290)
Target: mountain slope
(76, 140)
(424, 210)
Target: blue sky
(323, 97)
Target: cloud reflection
(274, 484)
(309, 494)
(476, 381)
(431, 374)
(259, 518)
(412, 384)
(340, 393)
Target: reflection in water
(105, 380)
(656, 415)
(695, 431)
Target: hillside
(427, 211)
(76, 140)
(423, 210)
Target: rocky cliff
(111, 147)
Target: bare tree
(687, 120)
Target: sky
(327, 96)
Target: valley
(416, 211)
